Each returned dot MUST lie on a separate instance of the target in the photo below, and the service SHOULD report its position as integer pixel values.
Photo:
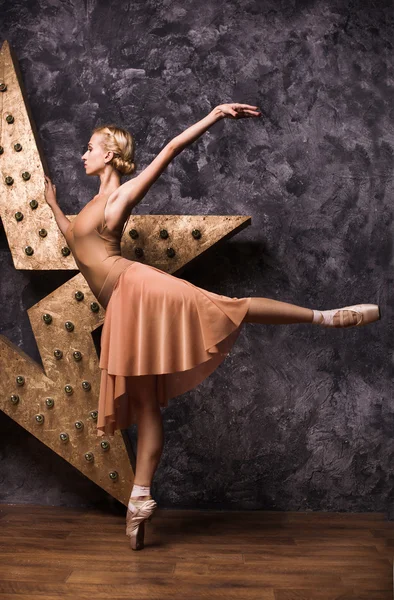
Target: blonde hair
(121, 143)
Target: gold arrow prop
(58, 403)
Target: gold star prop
(57, 403)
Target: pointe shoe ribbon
(145, 509)
(367, 313)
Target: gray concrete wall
(297, 417)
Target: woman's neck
(109, 182)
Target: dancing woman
(162, 335)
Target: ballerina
(161, 335)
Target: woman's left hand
(239, 111)
(50, 192)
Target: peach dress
(161, 336)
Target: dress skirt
(161, 337)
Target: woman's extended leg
(274, 312)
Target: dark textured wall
(297, 417)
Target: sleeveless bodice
(96, 249)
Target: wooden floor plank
(50, 553)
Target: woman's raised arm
(233, 111)
(132, 192)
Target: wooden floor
(49, 553)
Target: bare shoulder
(134, 190)
(122, 201)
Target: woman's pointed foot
(348, 316)
(139, 510)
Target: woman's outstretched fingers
(236, 110)
(250, 108)
(247, 110)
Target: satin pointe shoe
(366, 313)
(135, 521)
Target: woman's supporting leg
(150, 442)
(274, 312)
(150, 439)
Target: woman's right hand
(238, 111)
(50, 192)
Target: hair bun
(125, 167)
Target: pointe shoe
(135, 521)
(367, 313)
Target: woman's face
(94, 156)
